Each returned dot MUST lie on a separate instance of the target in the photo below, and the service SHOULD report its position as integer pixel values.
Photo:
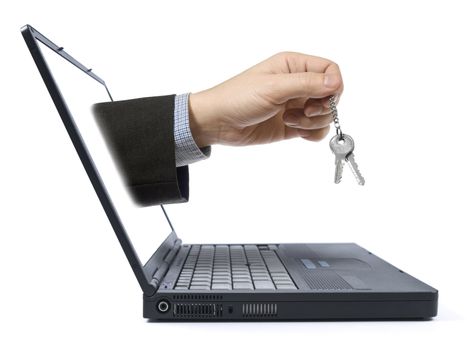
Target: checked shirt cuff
(186, 149)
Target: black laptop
(226, 282)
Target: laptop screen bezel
(31, 37)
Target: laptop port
(163, 306)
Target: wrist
(202, 125)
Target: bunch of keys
(342, 146)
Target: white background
(65, 281)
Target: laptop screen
(147, 227)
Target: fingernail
(290, 123)
(331, 80)
(310, 112)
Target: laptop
(224, 282)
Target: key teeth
(354, 167)
(338, 172)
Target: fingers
(310, 135)
(296, 103)
(283, 87)
(295, 118)
(295, 62)
(313, 107)
(314, 135)
(314, 127)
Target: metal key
(343, 147)
(354, 167)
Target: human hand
(280, 98)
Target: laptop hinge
(163, 268)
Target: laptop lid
(74, 89)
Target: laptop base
(280, 307)
(335, 281)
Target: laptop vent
(197, 297)
(259, 310)
(197, 310)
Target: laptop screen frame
(31, 37)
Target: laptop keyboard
(215, 267)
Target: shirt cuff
(186, 149)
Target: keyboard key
(262, 278)
(279, 274)
(184, 278)
(242, 285)
(200, 287)
(239, 268)
(260, 274)
(221, 286)
(264, 285)
(281, 280)
(222, 270)
(201, 282)
(221, 278)
(285, 286)
(283, 283)
(241, 280)
(205, 281)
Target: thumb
(287, 86)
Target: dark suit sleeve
(140, 136)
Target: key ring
(342, 146)
(339, 132)
(335, 117)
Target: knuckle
(279, 57)
(284, 54)
(288, 58)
